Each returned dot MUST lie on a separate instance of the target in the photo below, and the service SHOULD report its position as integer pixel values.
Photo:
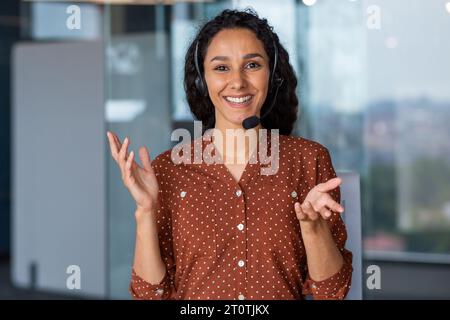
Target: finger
(326, 201)
(309, 210)
(118, 145)
(129, 168)
(329, 185)
(333, 205)
(112, 145)
(325, 213)
(298, 210)
(129, 161)
(117, 141)
(123, 151)
(144, 155)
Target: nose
(237, 80)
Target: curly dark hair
(284, 112)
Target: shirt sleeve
(165, 289)
(337, 286)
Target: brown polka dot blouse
(221, 239)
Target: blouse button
(241, 297)
(183, 194)
(313, 286)
(241, 263)
(238, 193)
(294, 194)
(159, 291)
(240, 226)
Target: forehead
(230, 42)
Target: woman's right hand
(140, 181)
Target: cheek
(261, 82)
(214, 83)
(263, 88)
(214, 89)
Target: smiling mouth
(239, 102)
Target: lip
(239, 105)
(238, 96)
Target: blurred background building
(374, 87)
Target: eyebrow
(247, 56)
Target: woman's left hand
(318, 204)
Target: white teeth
(238, 100)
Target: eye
(253, 65)
(220, 68)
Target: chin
(238, 121)
(235, 117)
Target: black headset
(275, 80)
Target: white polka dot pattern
(223, 239)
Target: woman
(224, 230)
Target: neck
(238, 143)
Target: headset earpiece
(199, 82)
(275, 80)
(278, 81)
